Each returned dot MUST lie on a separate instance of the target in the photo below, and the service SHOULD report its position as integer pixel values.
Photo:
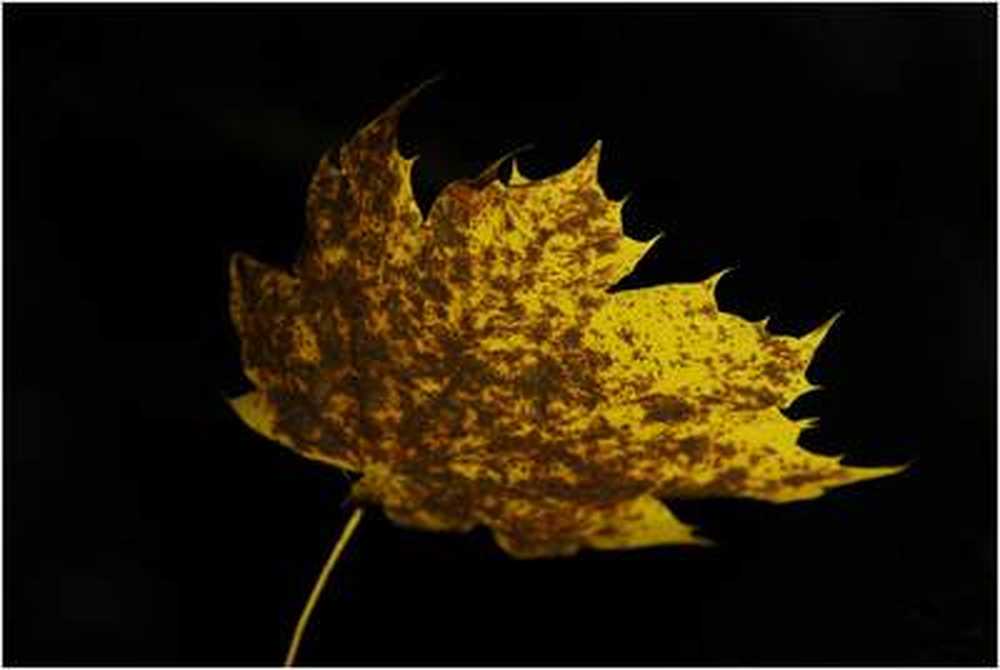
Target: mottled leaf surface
(474, 368)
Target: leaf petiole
(338, 549)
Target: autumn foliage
(474, 369)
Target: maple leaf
(475, 370)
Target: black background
(842, 157)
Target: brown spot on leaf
(693, 447)
(665, 409)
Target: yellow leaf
(474, 368)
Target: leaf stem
(338, 549)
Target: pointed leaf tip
(516, 178)
(492, 171)
(712, 282)
(408, 97)
(815, 337)
(584, 170)
(386, 124)
(860, 474)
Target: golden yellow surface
(475, 370)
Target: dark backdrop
(842, 157)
